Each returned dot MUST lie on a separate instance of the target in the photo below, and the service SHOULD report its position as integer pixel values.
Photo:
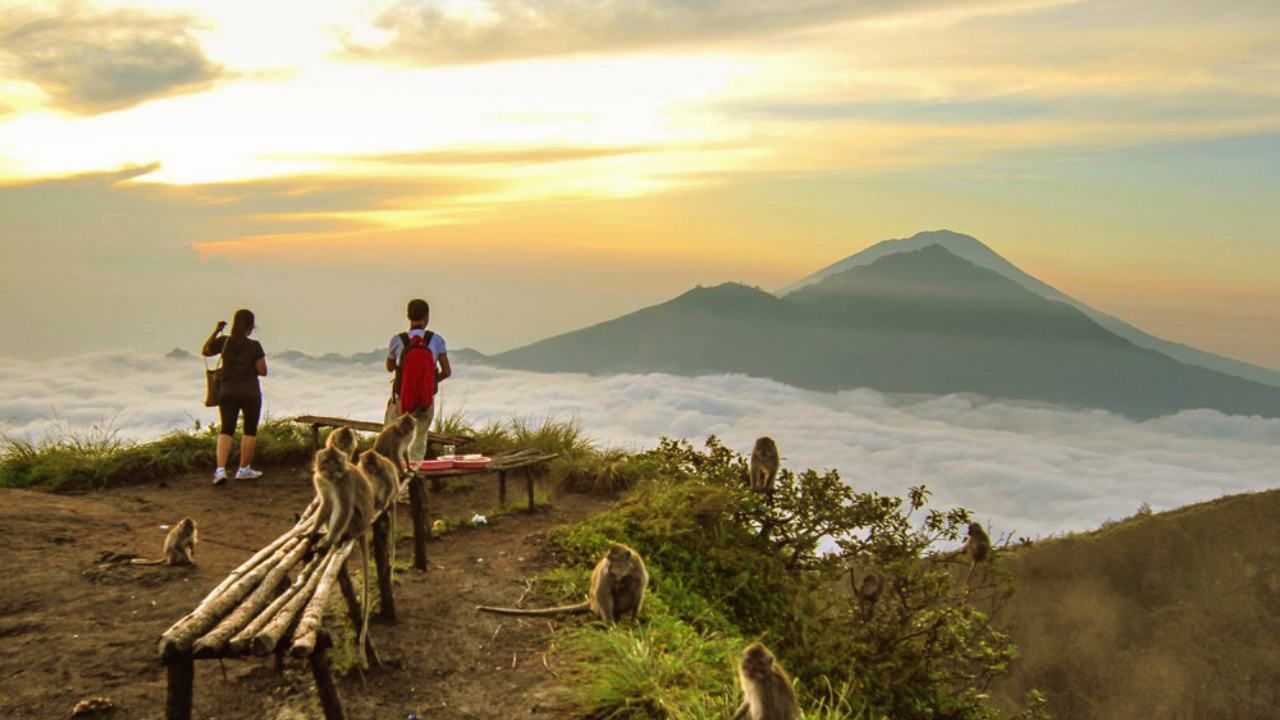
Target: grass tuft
(100, 458)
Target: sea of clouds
(1029, 470)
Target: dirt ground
(78, 621)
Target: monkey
(868, 592)
(618, 583)
(344, 439)
(385, 481)
(394, 440)
(764, 465)
(179, 545)
(766, 688)
(347, 510)
(977, 546)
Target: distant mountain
(461, 355)
(925, 321)
(976, 252)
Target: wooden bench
(533, 464)
(321, 421)
(258, 609)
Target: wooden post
(382, 559)
(529, 473)
(502, 488)
(323, 675)
(421, 521)
(356, 612)
(182, 675)
(315, 437)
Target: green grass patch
(728, 567)
(99, 458)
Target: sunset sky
(532, 166)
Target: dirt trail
(77, 622)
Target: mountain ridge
(974, 250)
(925, 321)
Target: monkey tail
(364, 627)
(582, 607)
(140, 561)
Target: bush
(728, 565)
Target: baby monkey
(618, 583)
(394, 440)
(764, 465)
(343, 439)
(766, 688)
(179, 545)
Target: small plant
(602, 472)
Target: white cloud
(1030, 469)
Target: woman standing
(243, 362)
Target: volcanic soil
(77, 620)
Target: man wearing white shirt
(419, 313)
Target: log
(267, 638)
(179, 638)
(421, 522)
(213, 641)
(243, 640)
(356, 612)
(323, 675)
(382, 559)
(178, 698)
(304, 638)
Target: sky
(533, 166)
(1025, 470)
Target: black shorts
(230, 407)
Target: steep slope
(925, 321)
(1175, 615)
(975, 251)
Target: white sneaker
(247, 473)
(219, 476)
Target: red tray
(427, 465)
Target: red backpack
(416, 373)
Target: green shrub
(728, 565)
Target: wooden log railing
(258, 609)
(274, 601)
(323, 421)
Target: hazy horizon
(532, 168)
(1030, 468)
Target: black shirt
(239, 367)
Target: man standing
(419, 360)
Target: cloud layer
(1026, 469)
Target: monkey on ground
(394, 440)
(767, 693)
(384, 478)
(347, 510)
(618, 583)
(179, 545)
(764, 465)
(344, 439)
